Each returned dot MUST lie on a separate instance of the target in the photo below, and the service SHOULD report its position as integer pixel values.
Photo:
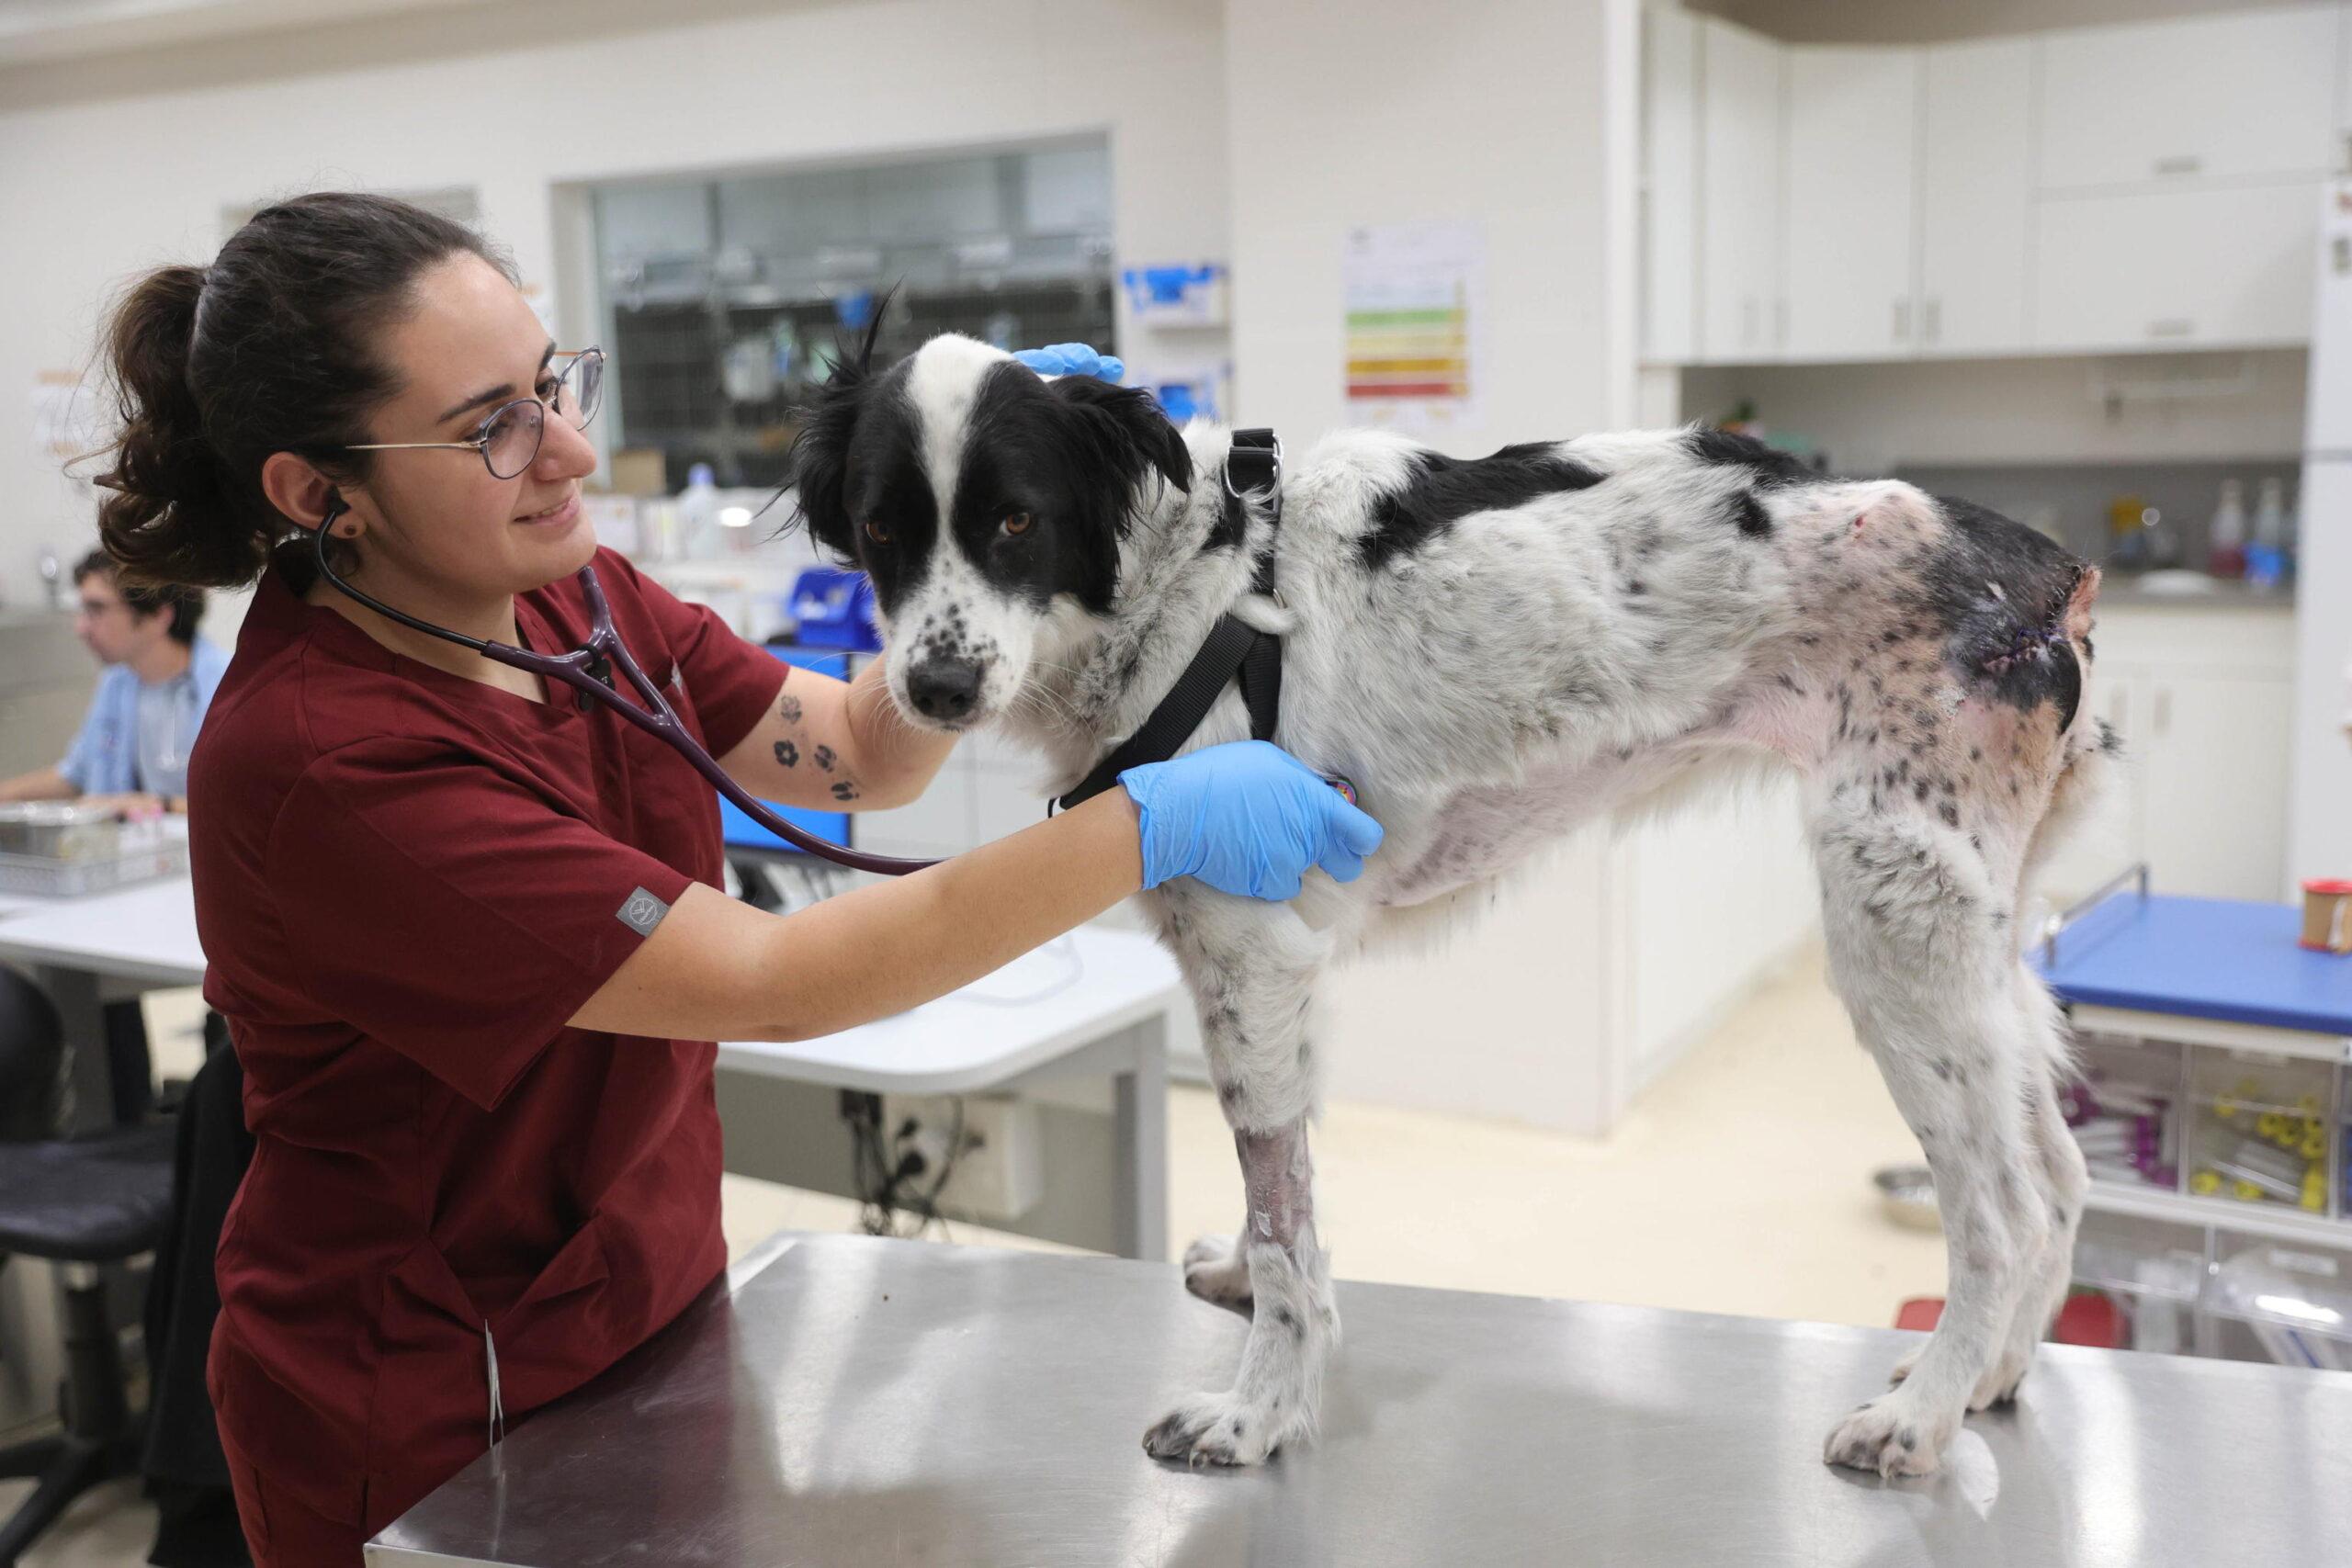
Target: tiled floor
(1740, 1183)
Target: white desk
(95, 949)
(144, 934)
(1095, 1003)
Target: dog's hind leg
(1252, 970)
(1919, 949)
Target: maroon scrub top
(406, 882)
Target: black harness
(1234, 647)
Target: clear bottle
(698, 516)
(2266, 555)
(2270, 514)
(2225, 545)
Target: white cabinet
(1669, 186)
(2250, 94)
(2216, 782)
(2202, 697)
(1909, 200)
(2096, 190)
(1853, 122)
(1975, 197)
(1740, 305)
(2227, 265)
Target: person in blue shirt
(132, 749)
(132, 752)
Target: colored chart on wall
(1413, 297)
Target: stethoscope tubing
(587, 670)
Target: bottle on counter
(2127, 533)
(2164, 540)
(698, 516)
(2265, 554)
(2225, 546)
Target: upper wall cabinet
(1975, 202)
(1741, 311)
(1910, 200)
(1669, 185)
(2244, 94)
(2226, 266)
(1853, 123)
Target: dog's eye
(1017, 523)
(875, 532)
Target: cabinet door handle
(2173, 326)
(1931, 316)
(2180, 164)
(2164, 710)
(1902, 321)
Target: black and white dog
(1494, 651)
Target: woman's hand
(1247, 817)
(133, 807)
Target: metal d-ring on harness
(1234, 648)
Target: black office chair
(80, 1203)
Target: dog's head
(985, 502)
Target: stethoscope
(588, 670)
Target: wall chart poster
(1414, 297)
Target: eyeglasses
(509, 439)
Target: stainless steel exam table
(857, 1402)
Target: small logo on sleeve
(642, 911)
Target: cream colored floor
(1740, 1183)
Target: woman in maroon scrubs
(467, 934)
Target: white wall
(1873, 417)
(1521, 114)
(120, 165)
(1347, 112)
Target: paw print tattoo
(790, 709)
(844, 790)
(787, 753)
(823, 756)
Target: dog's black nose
(945, 688)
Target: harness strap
(1233, 648)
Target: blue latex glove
(1071, 359)
(1247, 817)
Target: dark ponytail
(167, 517)
(272, 348)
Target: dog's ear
(1125, 426)
(817, 466)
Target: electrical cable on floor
(889, 1188)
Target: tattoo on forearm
(823, 757)
(787, 753)
(845, 789)
(790, 709)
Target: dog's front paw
(1213, 1428)
(1215, 1270)
(1890, 1436)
